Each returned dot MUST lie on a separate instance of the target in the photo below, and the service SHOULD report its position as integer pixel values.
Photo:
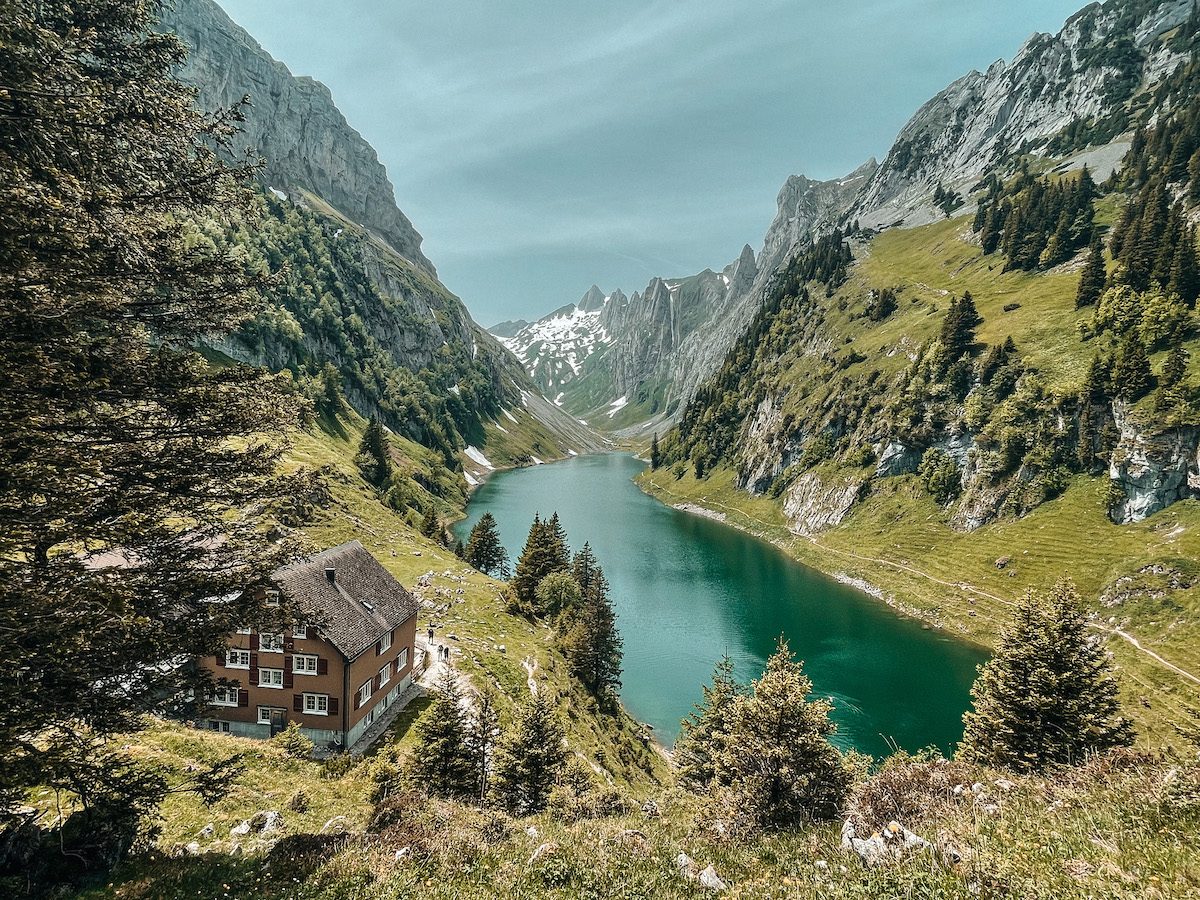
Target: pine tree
(558, 541)
(374, 458)
(703, 733)
(529, 757)
(544, 553)
(483, 729)
(119, 439)
(1049, 695)
(655, 455)
(1092, 279)
(777, 766)
(1131, 373)
(442, 763)
(484, 550)
(592, 644)
(431, 526)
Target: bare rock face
(1153, 469)
(1052, 81)
(305, 142)
(812, 504)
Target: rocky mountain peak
(593, 300)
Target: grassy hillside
(1142, 579)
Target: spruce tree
(483, 730)
(484, 550)
(529, 757)
(374, 458)
(702, 735)
(544, 553)
(431, 526)
(442, 763)
(1092, 279)
(777, 767)
(556, 594)
(1049, 696)
(137, 478)
(1131, 373)
(655, 454)
(558, 541)
(592, 644)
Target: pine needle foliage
(443, 764)
(135, 479)
(529, 757)
(1049, 696)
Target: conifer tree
(483, 730)
(120, 442)
(558, 541)
(1049, 695)
(431, 526)
(703, 733)
(374, 458)
(1092, 279)
(592, 644)
(655, 455)
(544, 553)
(442, 763)
(529, 757)
(484, 550)
(1131, 373)
(556, 594)
(777, 766)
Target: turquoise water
(686, 589)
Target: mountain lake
(687, 589)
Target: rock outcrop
(1153, 469)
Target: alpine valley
(963, 380)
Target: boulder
(711, 880)
(687, 867)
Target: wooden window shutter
(287, 671)
(243, 698)
(375, 684)
(254, 668)
(322, 666)
(297, 703)
(333, 706)
(378, 647)
(220, 657)
(254, 641)
(310, 633)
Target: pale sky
(541, 146)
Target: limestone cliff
(292, 123)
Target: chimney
(329, 573)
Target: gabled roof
(362, 603)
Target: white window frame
(385, 643)
(385, 674)
(300, 632)
(316, 704)
(267, 677)
(224, 696)
(270, 642)
(272, 597)
(242, 658)
(218, 725)
(243, 631)
(364, 692)
(301, 661)
(402, 660)
(264, 715)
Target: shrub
(293, 742)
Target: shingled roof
(361, 603)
